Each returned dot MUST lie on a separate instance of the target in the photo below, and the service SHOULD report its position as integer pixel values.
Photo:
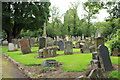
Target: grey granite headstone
(61, 45)
(86, 48)
(42, 42)
(68, 48)
(105, 58)
(32, 42)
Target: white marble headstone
(82, 36)
(97, 34)
(11, 47)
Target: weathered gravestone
(11, 47)
(48, 52)
(32, 42)
(42, 42)
(105, 58)
(24, 46)
(50, 63)
(115, 52)
(49, 42)
(61, 45)
(55, 42)
(68, 48)
(15, 42)
(85, 48)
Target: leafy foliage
(21, 15)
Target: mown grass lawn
(114, 74)
(75, 62)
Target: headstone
(32, 42)
(98, 41)
(92, 48)
(16, 43)
(24, 46)
(115, 52)
(86, 48)
(50, 63)
(11, 47)
(61, 45)
(58, 38)
(68, 48)
(49, 42)
(82, 36)
(55, 43)
(42, 42)
(97, 34)
(105, 58)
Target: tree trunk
(10, 36)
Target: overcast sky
(64, 5)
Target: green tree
(23, 15)
(71, 22)
(91, 8)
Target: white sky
(64, 5)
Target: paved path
(8, 69)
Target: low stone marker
(11, 47)
(68, 48)
(32, 42)
(24, 46)
(105, 58)
(48, 52)
(50, 63)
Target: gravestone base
(50, 63)
(48, 52)
(97, 73)
(11, 50)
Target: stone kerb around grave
(48, 52)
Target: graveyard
(39, 41)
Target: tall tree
(74, 7)
(23, 15)
(113, 9)
(91, 8)
(71, 22)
